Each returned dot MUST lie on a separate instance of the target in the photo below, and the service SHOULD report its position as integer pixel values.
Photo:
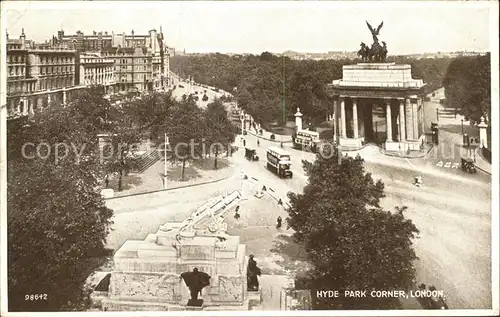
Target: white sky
(254, 27)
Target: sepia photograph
(224, 158)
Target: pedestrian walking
(278, 222)
(258, 142)
(281, 144)
(244, 142)
(237, 215)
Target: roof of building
(124, 50)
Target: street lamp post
(462, 120)
(242, 118)
(165, 162)
(437, 114)
(468, 146)
(465, 141)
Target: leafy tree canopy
(259, 78)
(351, 241)
(468, 86)
(57, 220)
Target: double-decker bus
(278, 162)
(306, 140)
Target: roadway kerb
(261, 137)
(172, 188)
(398, 154)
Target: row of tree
(57, 220)
(467, 86)
(261, 82)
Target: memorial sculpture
(377, 52)
(373, 85)
(252, 272)
(195, 281)
(145, 274)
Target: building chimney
(23, 39)
(105, 32)
(94, 33)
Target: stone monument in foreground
(147, 273)
(375, 85)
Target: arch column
(402, 126)
(388, 119)
(355, 118)
(416, 118)
(342, 117)
(335, 122)
(409, 119)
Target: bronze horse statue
(364, 52)
(377, 52)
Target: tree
(352, 243)
(118, 155)
(57, 219)
(468, 86)
(149, 112)
(219, 131)
(185, 127)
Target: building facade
(97, 70)
(36, 76)
(141, 62)
(132, 68)
(54, 70)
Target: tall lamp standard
(468, 146)
(462, 120)
(242, 118)
(165, 162)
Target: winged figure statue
(375, 33)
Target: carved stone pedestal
(146, 275)
(195, 303)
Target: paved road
(188, 89)
(452, 211)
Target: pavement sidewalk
(151, 180)
(450, 132)
(267, 135)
